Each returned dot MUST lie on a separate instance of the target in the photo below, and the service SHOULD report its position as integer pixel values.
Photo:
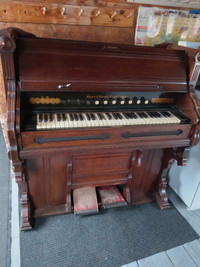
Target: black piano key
(63, 117)
(108, 115)
(71, 117)
(140, 114)
(58, 117)
(132, 115)
(99, 116)
(166, 114)
(50, 117)
(115, 116)
(126, 115)
(151, 114)
(45, 118)
(40, 117)
(144, 115)
(93, 117)
(80, 116)
(119, 116)
(76, 117)
(88, 116)
(157, 114)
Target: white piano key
(165, 120)
(62, 123)
(138, 121)
(150, 120)
(57, 123)
(95, 122)
(69, 122)
(155, 120)
(38, 125)
(43, 123)
(84, 121)
(174, 118)
(98, 120)
(88, 122)
(125, 121)
(48, 124)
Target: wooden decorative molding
(67, 14)
(26, 223)
(181, 155)
(160, 193)
(69, 185)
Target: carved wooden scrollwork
(26, 220)
(181, 155)
(160, 193)
(7, 47)
(9, 36)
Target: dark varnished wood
(72, 62)
(132, 156)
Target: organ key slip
(94, 125)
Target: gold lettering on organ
(44, 100)
(162, 100)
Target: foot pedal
(111, 197)
(85, 201)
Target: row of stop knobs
(121, 101)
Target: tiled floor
(187, 255)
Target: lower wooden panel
(51, 179)
(47, 180)
(145, 178)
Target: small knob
(138, 102)
(113, 101)
(129, 101)
(105, 102)
(96, 102)
(144, 101)
(121, 101)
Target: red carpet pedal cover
(111, 196)
(85, 200)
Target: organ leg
(160, 193)
(25, 208)
(26, 223)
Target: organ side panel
(48, 182)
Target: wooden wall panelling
(67, 14)
(79, 33)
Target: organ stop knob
(121, 101)
(113, 101)
(105, 102)
(96, 102)
(129, 101)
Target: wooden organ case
(83, 115)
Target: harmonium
(93, 125)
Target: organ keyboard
(104, 119)
(87, 117)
